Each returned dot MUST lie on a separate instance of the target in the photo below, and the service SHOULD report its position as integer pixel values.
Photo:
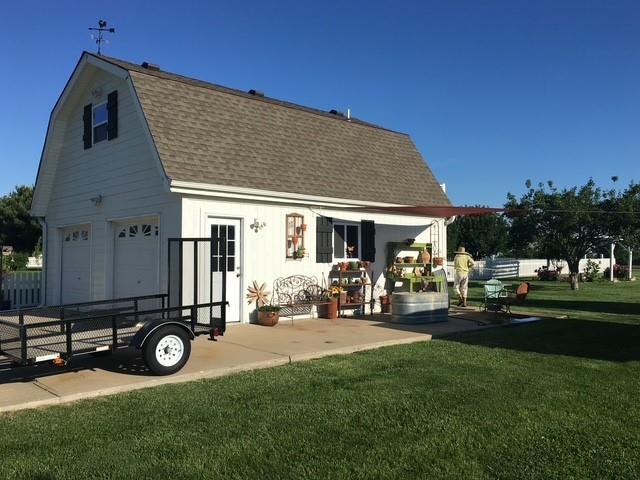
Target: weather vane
(102, 27)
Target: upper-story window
(100, 122)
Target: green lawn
(599, 300)
(555, 399)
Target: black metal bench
(298, 294)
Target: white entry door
(231, 229)
(135, 258)
(76, 264)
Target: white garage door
(76, 264)
(135, 268)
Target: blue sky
(492, 92)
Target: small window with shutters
(100, 121)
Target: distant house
(135, 155)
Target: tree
(17, 227)
(564, 224)
(482, 236)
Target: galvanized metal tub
(424, 307)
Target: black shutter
(368, 236)
(112, 115)
(86, 118)
(324, 237)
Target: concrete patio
(244, 347)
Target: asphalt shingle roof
(211, 134)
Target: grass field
(599, 300)
(555, 399)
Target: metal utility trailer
(151, 323)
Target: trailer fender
(148, 328)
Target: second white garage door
(135, 262)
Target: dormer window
(100, 118)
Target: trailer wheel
(167, 350)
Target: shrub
(15, 261)
(619, 271)
(269, 308)
(591, 271)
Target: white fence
(22, 289)
(517, 268)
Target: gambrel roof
(205, 133)
(222, 138)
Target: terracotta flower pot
(330, 310)
(268, 319)
(344, 266)
(385, 304)
(409, 259)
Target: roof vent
(151, 66)
(336, 112)
(257, 93)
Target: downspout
(43, 275)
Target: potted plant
(301, 252)
(330, 310)
(268, 315)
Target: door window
(229, 232)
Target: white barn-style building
(135, 155)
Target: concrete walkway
(244, 347)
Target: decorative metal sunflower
(258, 294)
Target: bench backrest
(295, 289)
(493, 288)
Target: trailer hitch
(59, 362)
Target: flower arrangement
(334, 291)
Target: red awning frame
(442, 211)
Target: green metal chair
(494, 295)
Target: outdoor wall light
(257, 225)
(97, 201)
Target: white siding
(264, 251)
(124, 171)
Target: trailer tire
(167, 350)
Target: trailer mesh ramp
(49, 333)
